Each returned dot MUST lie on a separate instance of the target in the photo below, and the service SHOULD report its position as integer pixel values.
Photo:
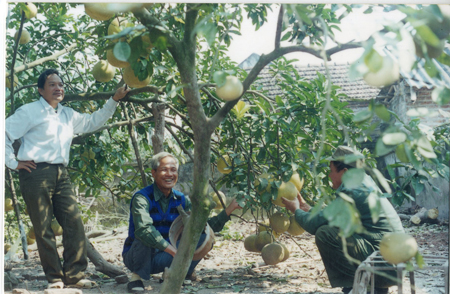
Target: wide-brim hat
(347, 155)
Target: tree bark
(158, 110)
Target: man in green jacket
(341, 270)
(152, 211)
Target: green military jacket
(388, 220)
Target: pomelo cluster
(104, 70)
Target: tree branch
(107, 95)
(264, 60)
(279, 27)
(40, 61)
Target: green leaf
(382, 149)
(122, 51)
(362, 116)
(419, 260)
(343, 215)
(394, 138)
(424, 147)
(444, 58)
(220, 77)
(426, 33)
(381, 179)
(373, 60)
(353, 178)
(382, 112)
(374, 205)
(441, 95)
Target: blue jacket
(162, 221)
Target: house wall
(400, 104)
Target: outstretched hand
(296, 203)
(232, 207)
(121, 93)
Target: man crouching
(152, 211)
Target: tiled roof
(356, 90)
(419, 78)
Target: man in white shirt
(45, 129)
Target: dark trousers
(145, 261)
(340, 270)
(47, 191)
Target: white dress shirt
(46, 134)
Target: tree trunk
(425, 216)
(101, 264)
(158, 110)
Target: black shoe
(136, 287)
(192, 277)
(346, 290)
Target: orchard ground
(229, 268)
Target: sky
(357, 26)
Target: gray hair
(156, 159)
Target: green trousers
(47, 191)
(340, 270)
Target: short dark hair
(44, 75)
(339, 165)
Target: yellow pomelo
(216, 199)
(262, 239)
(30, 241)
(231, 90)
(98, 11)
(297, 181)
(285, 251)
(8, 81)
(224, 164)
(398, 247)
(8, 204)
(279, 222)
(31, 10)
(118, 25)
(294, 228)
(249, 243)
(103, 71)
(262, 228)
(114, 61)
(24, 37)
(7, 247)
(272, 253)
(132, 80)
(56, 228)
(286, 190)
(31, 233)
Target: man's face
(166, 176)
(53, 91)
(335, 176)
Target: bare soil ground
(228, 268)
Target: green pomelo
(272, 253)
(279, 222)
(249, 243)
